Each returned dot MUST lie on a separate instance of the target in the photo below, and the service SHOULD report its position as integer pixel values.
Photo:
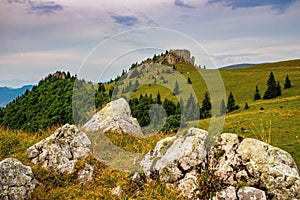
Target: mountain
(8, 94)
(47, 104)
(238, 66)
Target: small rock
(117, 191)
(16, 180)
(85, 174)
(227, 194)
(251, 193)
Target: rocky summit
(61, 150)
(251, 169)
(16, 180)
(115, 116)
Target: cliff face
(184, 56)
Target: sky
(96, 39)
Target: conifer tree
(246, 106)
(190, 108)
(272, 90)
(287, 83)
(158, 98)
(231, 106)
(176, 88)
(223, 108)
(278, 89)
(189, 80)
(257, 94)
(206, 105)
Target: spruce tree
(190, 108)
(189, 80)
(206, 105)
(223, 108)
(246, 106)
(176, 88)
(287, 83)
(158, 98)
(272, 90)
(257, 94)
(278, 89)
(231, 106)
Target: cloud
(43, 8)
(39, 7)
(125, 20)
(180, 3)
(275, 4)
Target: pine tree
(231, 106)
(246, 106)
(272, 90)
(206, 105)
(257, 94)
(189, 80)
(287, 83)
(176, 88)
(278, 89)
(190, 108)
(223, 108)
(158, 98)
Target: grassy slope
(280, 117)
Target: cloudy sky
(98, 38)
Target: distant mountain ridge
(239, 66)
(8, 94)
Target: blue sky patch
(125, 20)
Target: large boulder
(61, 150)
(257, 164)
(177, 160)
(16, 180)
(115, 116)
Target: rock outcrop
(257, 164)
(61, 150)
(177, 160)
(184, 56)
(266, 171)
(115, 116)
(16, 180)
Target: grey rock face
(115, 116)
(61, 150)
(176, 159)
(16, 180)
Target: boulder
(16, 180)
(271, 168)
(61, 150)
(256, 163)
(176, 161)
(115, 116)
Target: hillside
(9, 94)
(49, 105)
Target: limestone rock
(16, 180)
(223, 158)
(117, 191)
(85, 174)
(115, 116)
(61, 150)
(271, 168)
(176, 159)
(251, 193)
(226, 194)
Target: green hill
(49, 104)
